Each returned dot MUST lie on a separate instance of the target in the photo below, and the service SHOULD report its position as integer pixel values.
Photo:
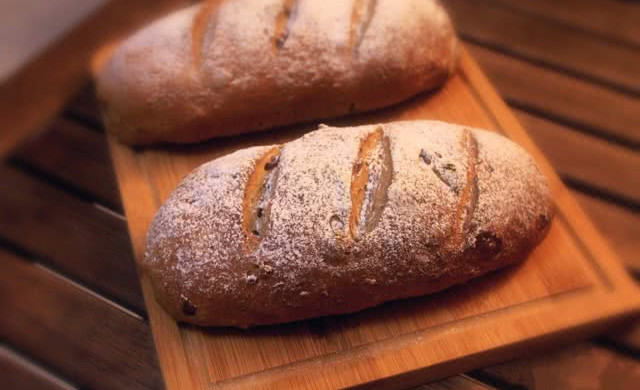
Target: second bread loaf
(236, 66)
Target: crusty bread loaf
(343, 219)
(237, 66)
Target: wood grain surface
(74, 155)
(497, 25)
(19, 373)
(566, 99)
(83, 108)
(68, 234)
(605, 197)
(615, 20)
(86, 348)
(586, 162)
(397, 343)
(590, 367)
(459, 382)
(619, 224)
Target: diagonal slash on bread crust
(258, 193)
(361, 16)
(284, 22)
(469, 195)
(201, 21)
(371, 177)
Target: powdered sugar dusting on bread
(243, 23)
(204, 212)
(316, 73)
(196, 240)
(153, 42)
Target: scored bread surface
(342, 219)
(236, 66)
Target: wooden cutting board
(571, 285)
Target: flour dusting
(196, 239)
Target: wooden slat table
(65, 253)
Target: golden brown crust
(283, 23)
(369, 188)
(256, 205)
(236, 66)
(207, 12)
(306, 263)
(469, 194)
(361, 16)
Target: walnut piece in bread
(343, 219)
(236, 66)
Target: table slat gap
(22, 372)
(562, 99)
(102, 348)
(66, 235)
(613, 19)
(555, 45)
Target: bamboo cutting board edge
(408, 359)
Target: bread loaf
(237, 66)
(343, 219)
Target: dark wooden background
(73, 315)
